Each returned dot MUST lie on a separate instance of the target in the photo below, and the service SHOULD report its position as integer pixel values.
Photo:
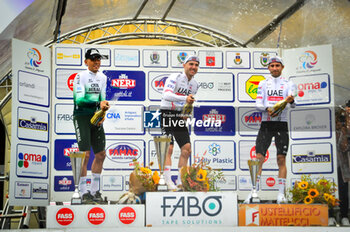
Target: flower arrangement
(307, 191)
(200, 177)
(142, 179)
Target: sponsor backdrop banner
(223, 128)
(31, 105)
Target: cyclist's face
(275, 69)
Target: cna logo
(26, 159)
(123, 82)
(238, 59)
(127, 215)
(96, 216)
(70, 81)
(311, 87)
(253, 154)
(264, 59)
(34, 57)
(252, 216)
(311, 157)
(123, 152)
(308, 59)
(158, 82)
(251, 85)
(191, 206)
(181, 57)
(154, 57)
(210, 61)
(214, 149)
(74, 148)
(214, 116)
(64, 216)
(252, 119)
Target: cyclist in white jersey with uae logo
(270, 91)
(179, 89)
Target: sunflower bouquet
(200, 178)
(142, 179)
(307, 191)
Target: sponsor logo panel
(33, 89)
(268, 182)
(228, 184)
(156, 83)
(68, 56)
(112, 183)
(63, 183)
(106, 56)
(64, 216)
(40, 191)
(126, 57)
(260, 59)
(23, 190)
(250, 121)
(238, 59)
(210, 59)
(178, 57)
(32, 161)
(217, 154)
(248, 85)
(64, 82)
(33, 124)
(312, 158)
(64, 119)
(155, 58)
(127, 215)
(96, 216)
(121, 154)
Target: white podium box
(191, 209)
(93, 216)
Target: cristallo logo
(308, 59)
(34, 57)
(251, 85)
(24, 159)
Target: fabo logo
(96, 216)
(189, 206)
(64, 216)
(28, 158)
(70, 81)
(127, 215)
(310, 87)
(251, 85)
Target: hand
(100, 122)
(190, 99)
(290, 98)
(104, 105)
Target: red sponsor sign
(253, 154)
(64, 216)
(70, 81)
(127, 215)
(210, 60)
(270, 181)
(96, 216)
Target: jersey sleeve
(259, 102)
(103, 89)
(79, 92)
(169, 90)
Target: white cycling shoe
(281, 199)
(247, 200)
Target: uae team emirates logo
(64, 216)
(96, 216)
(127, 215)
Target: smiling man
(270, 91)
(179, 89)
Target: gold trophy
(76, 159)
(162, 144)
(254, 165)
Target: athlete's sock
(167, 173)
(82, 185)
(281, 185)
(95, 183)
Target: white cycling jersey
(272, 90)
(176, 89)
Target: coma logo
(123, 152)
(127, 215)
(310, 87)
(64, 216)
(308, 59)
(34, 57)
(24, 159)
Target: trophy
(76, 159)
(254, 165)
(162, 144)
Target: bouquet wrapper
(98, 117)
(135, 185)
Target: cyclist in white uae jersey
(178, 90)
(89, 92)
(270, 91)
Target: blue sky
(9, 9)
